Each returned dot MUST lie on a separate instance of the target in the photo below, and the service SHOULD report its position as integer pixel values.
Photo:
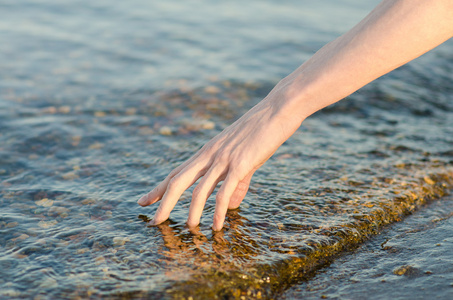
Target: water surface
(100, 100)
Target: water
(412, 259)
(100, 100)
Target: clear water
(99, 100)
(410, 260)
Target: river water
(99, 100)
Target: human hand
(233, 156)
(386, 39)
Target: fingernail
(152, 222)
(142, 200)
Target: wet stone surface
(411, 259)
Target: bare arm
(395, 32)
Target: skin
(395, 32)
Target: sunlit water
(99, 100)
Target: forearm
(394, 33)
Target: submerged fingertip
(217, 227)
(191, 224)
(233, 206)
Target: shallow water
(100, 100)
(410, 260)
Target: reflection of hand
(229, 246)
(232, 157)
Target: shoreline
(408, 259)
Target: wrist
(289, 100)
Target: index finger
(175, 187)
(157, 193)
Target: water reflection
(199, 249)
(198, 257)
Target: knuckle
(222, 157)
(196, 192)
(219, 197)
(206, 148)
(242, 166)
(209, 148)
(173, 183)
(173, 173)
(242, 187)
(156, 190)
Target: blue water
(99, 100)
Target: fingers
(157, 193)
(222, 201)
(240, 192)
(201, 193)
(174, 189)
(230, 194)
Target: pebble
(404, 270)
(429, 180)
(47, 224)
(165, 130)
(80, 276)
(20, 256)
(96, 145)
(21, 237)
(99, 260)
(207, 125)
(49, 110)
(212, 89)
(197, 125)
(82, 251)
(69, 176)
(58, 210)
(64, 109)
(76, 140)
(10, 293)
(44, 202)
(120, 241)
(88, 201)
(11, 224)
(131, 111)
